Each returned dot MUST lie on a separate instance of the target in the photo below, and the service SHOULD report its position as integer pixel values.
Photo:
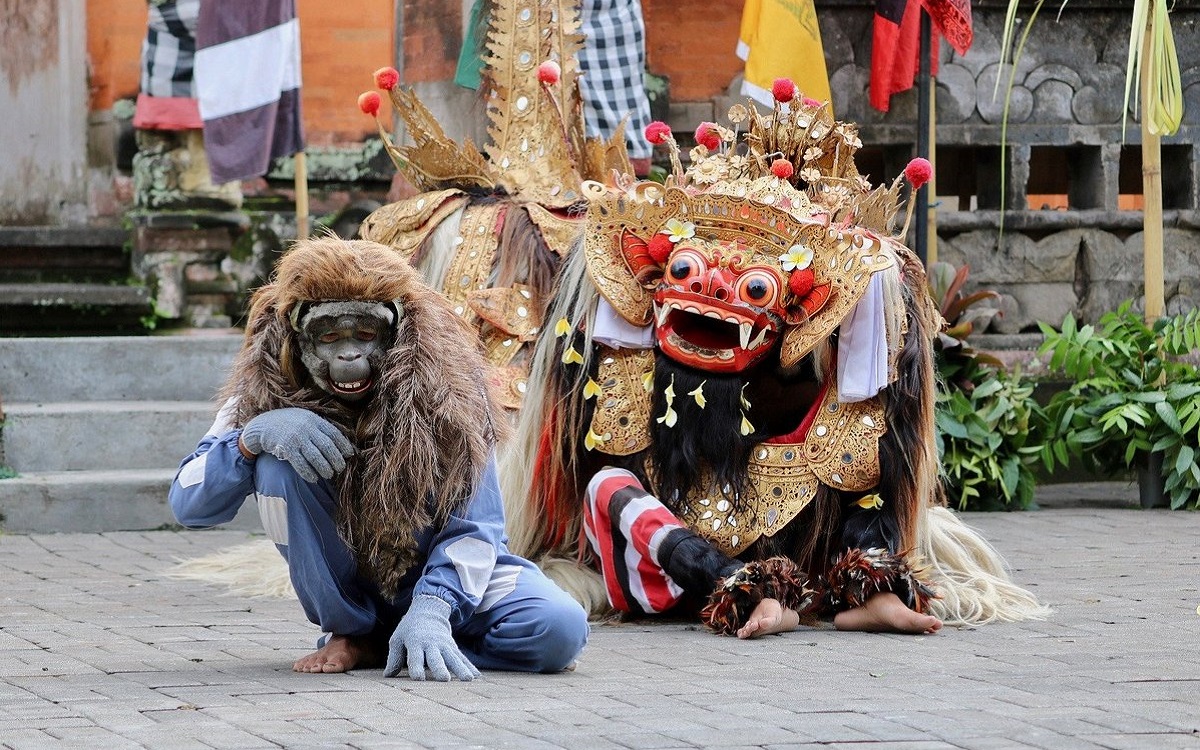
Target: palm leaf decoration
(1151, 53)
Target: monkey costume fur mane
(423, 438)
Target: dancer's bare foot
(885, 613)
(341, 653)
(769, 617)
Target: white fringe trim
(585, 585)
(254, 570)
(970, 575)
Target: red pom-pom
(707, 136)
(810, 102)
(386, 78)
(782, 168)
(658, 132)
(801, 282)
(368, 102)
(784, 90)
(660, 248)
(918, 172)
(549, 72)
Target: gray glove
(308, 442)
(424, 637)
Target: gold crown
(814, 155)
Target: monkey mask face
(343, 344)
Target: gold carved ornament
(845, 259)
(841, 450)
(621, 420)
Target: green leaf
(1185, 459)
(987, 389)
(1167, 414)
(1060, 452)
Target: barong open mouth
(711, 334)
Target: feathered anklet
(739, 593)
(858, 574)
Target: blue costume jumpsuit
(504, 612)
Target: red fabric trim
(167, 113)
(597, 519)
(553, 518)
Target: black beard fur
(704, 442)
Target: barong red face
(719, 307)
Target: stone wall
(1065, 149)
(1064, 145)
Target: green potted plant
(1133, 403)
(987, 419)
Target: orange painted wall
(433, 31)
(115, 30)
(692, 42)
(342, 43)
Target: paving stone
(99, 644)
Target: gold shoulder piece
(405, 224)
(511, 310)
(842, 446)
(473, 256)
(621, 420)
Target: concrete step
(97, 435)
(72, 254)
(94, 501)
(73, 308)
(185, 367)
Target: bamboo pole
(1152, 217)
(301, 195)
(931, 239)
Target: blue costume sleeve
(214, 481)
(462, 555)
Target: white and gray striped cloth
(613, 61)
(248, 83)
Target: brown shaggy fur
(424, 437)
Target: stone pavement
(100, 651)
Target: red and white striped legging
(627, 528)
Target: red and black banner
(895, 49)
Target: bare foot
(341, 653)
(885, 613)
(769, 617)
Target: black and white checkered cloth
(169, 49)
(613, 61)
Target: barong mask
(728, 271)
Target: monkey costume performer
(357, 417)
(732, 403)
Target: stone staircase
(95, 427)
(69, 281)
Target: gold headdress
(538, 151)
